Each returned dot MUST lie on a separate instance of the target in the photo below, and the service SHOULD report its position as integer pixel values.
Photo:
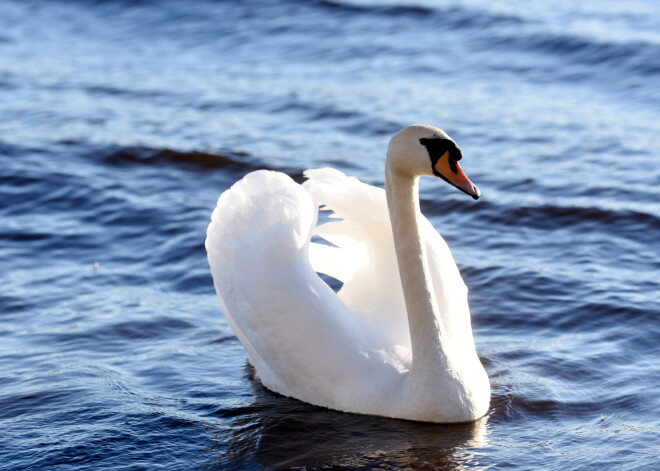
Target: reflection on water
(279, 433)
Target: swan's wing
(365, 260)
(301, 338)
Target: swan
(396, 340)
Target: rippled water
(123, 121)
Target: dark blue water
(122, 122)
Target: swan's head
(420, 150)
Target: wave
(235, 164)
(123, 156)
(452, 17)
(161, 327)
(635, 224)
(640, 58)
(545, 216)
(350, 121)
(635, 57)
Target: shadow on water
(282, 433)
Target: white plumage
(350, 351)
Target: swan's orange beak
(450, 171)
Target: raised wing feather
(361, 230)
(372, 284)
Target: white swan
(358, 350)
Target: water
(123, 121)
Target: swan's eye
(437, 147)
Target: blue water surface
(122, 122)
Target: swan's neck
(426, 333)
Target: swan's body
(370, 348)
